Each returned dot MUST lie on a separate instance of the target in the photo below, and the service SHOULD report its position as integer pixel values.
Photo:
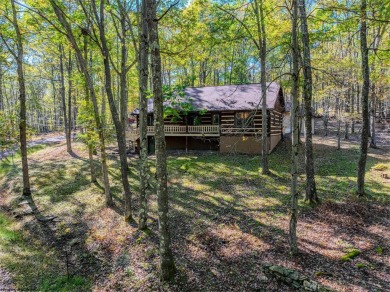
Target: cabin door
(151, 146)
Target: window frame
(246, 121)
(216, 115)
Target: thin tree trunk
(311, 190)
(88, 79)
(70, 100)
(295, 130)
(63, 99)
(373, 114)
(365, 93)
(358, 99)
(259, 12)
(167, 265)
(119, 129)
(1, 89)
(325, 119)
(346, 136)
(54, 99)
(338, 122)
(143, 89)
(22, 100)
(353, 110)
(89, 126)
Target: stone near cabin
(293, 278)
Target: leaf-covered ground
(226, 221)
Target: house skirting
(225, 144)
(192, 143)
(246, 144)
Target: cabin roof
(229, 97)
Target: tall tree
(69, 69)
(262, 41)
(295, 130)
(365, 93)
(119, 127)
(311, 190)
(167, 265)
(62, 18)
(89, 122)
(63, 99)
(19, 57)
(143, 74)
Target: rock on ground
(6, 283)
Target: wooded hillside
(94, 95)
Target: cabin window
(150, 121)
(215, 119)
(194, 120)
(244, 120)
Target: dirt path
(48, 140)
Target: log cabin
(225, 118)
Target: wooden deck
(177, 130)
(202, 131)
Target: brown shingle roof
(228, 97)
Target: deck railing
(207, 130)
(178, 130)
(174, 129)
(204, 129)
(230, 130)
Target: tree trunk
(263, 54)
(167, 265)
(1, 88)
(70, 100)
(358, 99)
(63, 100)
(373, 114)
(295, 138)
(89, 126)
(325, 119)
(143, 89)
(353, 110)
(311, 190)
(22, 100)
(88, 79)
(119, 129)
(338, 122)
(365, 92)
(54, 127)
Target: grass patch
(7, 235)
(360, 265)
(27, 260)
(352, 253)
(63, 284)
(381, 167)
(10, 162)
(379, 250)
